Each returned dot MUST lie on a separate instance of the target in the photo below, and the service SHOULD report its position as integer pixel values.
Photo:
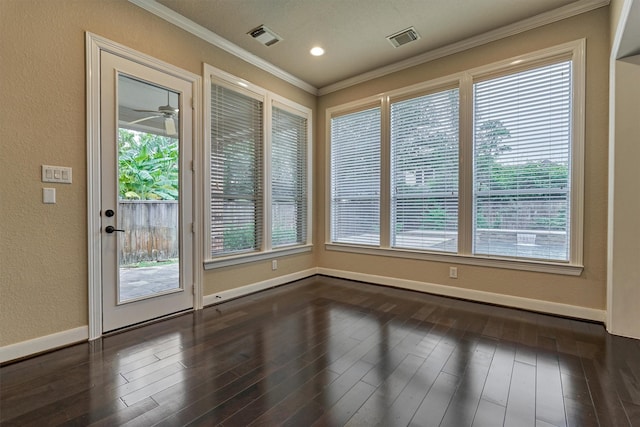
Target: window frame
(428, 91)
(215, 76)
(380, 193)
(524, 68)
(307, 226)
(574, 51)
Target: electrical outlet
(453, 272)
(274, 265)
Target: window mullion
(385, 174)
(266, 175)
(465, 184)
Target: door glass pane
(148, 189)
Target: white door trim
(94, 45)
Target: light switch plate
(49, 195)
(59, 174)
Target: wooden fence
(151, 230)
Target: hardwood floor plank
(306, 416)
(411, 397)
(120, 417)
(489, 414)
(606, 402)
(274, 395)
(580, 415)
(435, 403)
(521, 404)
(346, 406)
(633, 413)
(461, 411)
(280, 412)
(375, 408)
(496, 388)
(549, 398)
(151, 389)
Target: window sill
(482, 261)
(227, 261)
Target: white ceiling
(353, 32)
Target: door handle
(110, 229)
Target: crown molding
(222, 43)
(552, 16)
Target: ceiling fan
(166, 111)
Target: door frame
(94, 46)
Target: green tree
(532, 175)
(148, 166)
(490, 139)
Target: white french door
(146, 206)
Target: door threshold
(147, 322)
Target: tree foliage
(532, 175)
(148, 166)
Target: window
(522, 145)
(424, 172)
(288, 178)
(236, 171)
(355, 173)
(484, 166)
(258, 158)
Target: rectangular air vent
(264, 35)
(403, 37)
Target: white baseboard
(45, 343)
(473, 295)
(256, 287)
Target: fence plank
(151, 230)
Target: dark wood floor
(328, 352)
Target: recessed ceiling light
(317, 51)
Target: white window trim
(213, 75)
(574, 51)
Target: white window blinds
(424, 172)
(522, 168)
(236, 171)
(355, 177)
(288, 178)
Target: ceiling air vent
(264, 35)
(403, 37)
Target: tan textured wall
(588, 290)
(43, 248)
(226, 278)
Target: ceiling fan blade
(170, 126)
(147, 111)
(142, 120)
